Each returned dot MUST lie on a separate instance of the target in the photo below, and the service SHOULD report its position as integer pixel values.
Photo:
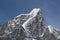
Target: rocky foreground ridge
(29, 26)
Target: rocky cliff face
(28, 27)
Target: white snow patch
(7, 32)
(34, 12)
(33, 39)
(21, 14)
(50, 29)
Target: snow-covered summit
(32, 14)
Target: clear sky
(50, 10)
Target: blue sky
(50, 10)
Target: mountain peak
(29, 26)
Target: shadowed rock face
(28, 27)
